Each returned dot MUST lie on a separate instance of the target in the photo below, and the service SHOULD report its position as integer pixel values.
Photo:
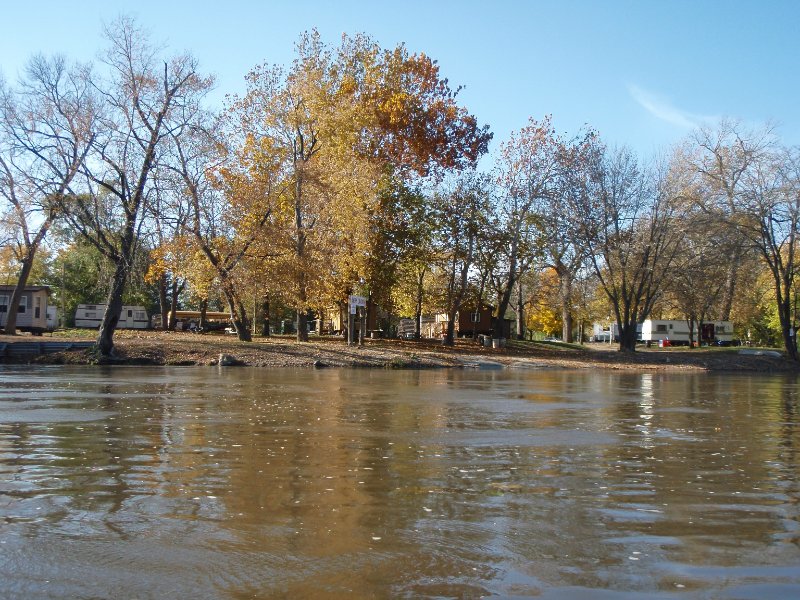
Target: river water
(253, 483)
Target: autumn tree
(46, 127)
(543, 315)
(288, 118)
(232, 184)
(410, 114)
(341, 120)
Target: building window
(3, 304)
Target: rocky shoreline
(184, 349)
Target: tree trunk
(105, 336)
(302, 319)
(729, 291)
(455, 303)
(203, 311)
(520, 313)
(450, 331)
(627, 336)
(241, 321)
(173, 307)
(344, 318)
(162, 301)
(418, 303)
(565, 290)
(302, 325)
(566, 323)
(265, 315)
(691, 322)
(300, 246)
(785, 315)
(371, 314)
(13, 304)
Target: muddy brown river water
(252, 483)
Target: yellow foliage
(545, 319)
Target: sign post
(354, 303)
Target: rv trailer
(676, 332)
(90, 316)
(604, 333)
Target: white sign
(357, 301)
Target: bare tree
(146, 102)
(459, 213)
(528, 173)
(46, 128)
(770, 221)
(625, 216)
(725, 154)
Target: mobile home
(131, 317)
(32, 311)
(676, 332)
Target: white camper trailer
(607, 334)
(676, 332)
(131, 317)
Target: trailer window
(130, 314)
(3, 304)
(662, 328)
(23, 304)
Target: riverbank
(173, 348)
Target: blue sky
(642, 73)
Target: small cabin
(470, 321)
(32, 311)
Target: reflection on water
(247, 483)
